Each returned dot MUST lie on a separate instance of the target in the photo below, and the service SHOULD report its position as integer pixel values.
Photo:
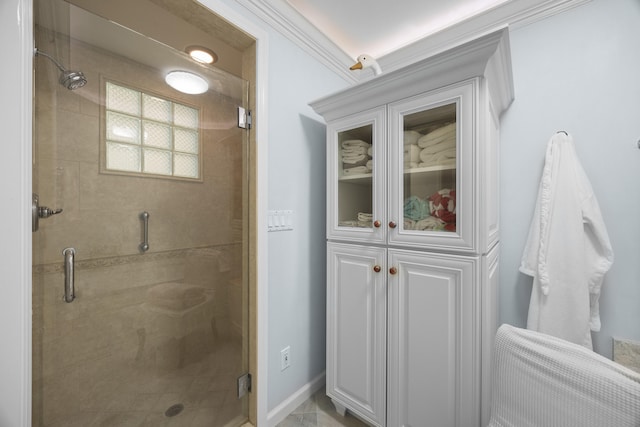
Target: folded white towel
(441, 148)
(445, 144)
(437, 136)
(370, 151)
(411, 137)
(355, 143)
(441, 158)
(409, 224)
(411, 153)
(443, 130)
(369, 165)
(430, 223)
(353, 151)
(356, 159)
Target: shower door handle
(69, 279)
(38, 212)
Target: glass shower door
(151, 334)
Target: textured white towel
(543, 381)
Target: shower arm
(37, 52)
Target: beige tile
(627, 353)
(96, 359)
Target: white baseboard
(281, 411)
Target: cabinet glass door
(431, 142)
(429, 169)
(356, 198)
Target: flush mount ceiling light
(186, 82)
(202, 54)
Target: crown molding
(513, 14)
(286, 20)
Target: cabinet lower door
(433, 377)
(356, 329)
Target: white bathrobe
(567, 250)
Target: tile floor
(318, 411)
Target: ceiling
(380, 27)
(395, 32)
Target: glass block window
(148, 135)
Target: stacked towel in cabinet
(365, 220)
(437, 147)
(356, 157)
(437, 212)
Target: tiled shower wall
(125, 315)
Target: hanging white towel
(567, 251)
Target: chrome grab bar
(144, 246)
(69, 291)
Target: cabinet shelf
(428, 169)
(363, 178)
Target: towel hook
(563, 131)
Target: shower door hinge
(244, 384)
(244, 118)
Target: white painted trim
(280, 412)
(261, 121)
(16, 36)
(515, 13)
(286, 20)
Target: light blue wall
(297, 269)
(580, 72)
(296, 181)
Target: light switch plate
(280, 220)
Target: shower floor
(137, 397)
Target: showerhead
(72, 80)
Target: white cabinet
(432, 346)
(413, 237)
(356, 325)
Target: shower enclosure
(140, 242)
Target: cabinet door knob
(392, 224)
(377, 268)
(393, 270)
(377, 224)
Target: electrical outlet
(285, 358)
